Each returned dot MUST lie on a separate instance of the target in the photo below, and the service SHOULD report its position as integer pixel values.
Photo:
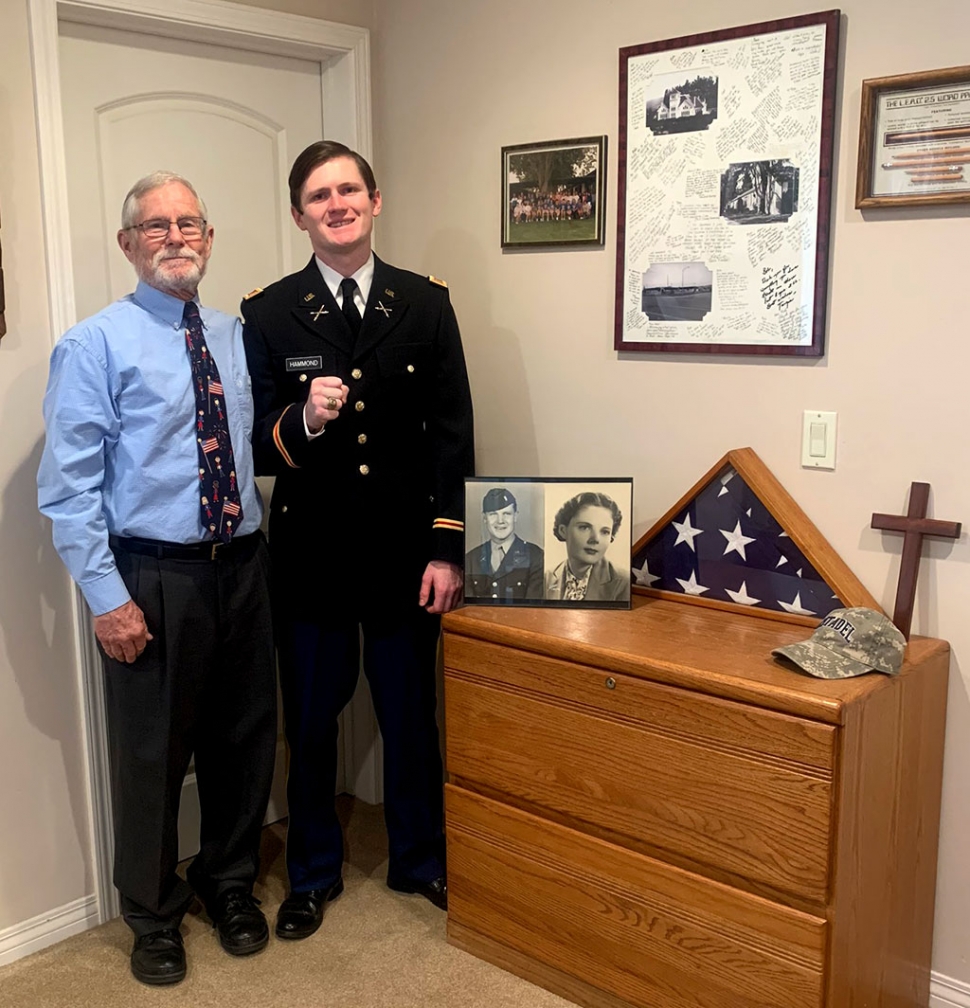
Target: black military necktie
(348, 287)
(218, 489)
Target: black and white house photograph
(759, 192)
(686, 103)
(677, 292)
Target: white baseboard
(945, 992)
(48, 928)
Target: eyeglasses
(190, 227)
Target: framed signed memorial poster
(725, 177)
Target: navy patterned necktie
(218, 490)
(348, 287)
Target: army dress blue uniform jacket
(358, 512)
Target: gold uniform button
(364, 470)
(284, 509)
(411, 368)
(356, 373)
(359, 405)
(302, 377)
(361, 439)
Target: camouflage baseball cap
(849, 642)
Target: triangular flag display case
(738, 541)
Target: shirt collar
(364, 277)
(573, 581)
(163, 306)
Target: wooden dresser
(646, 809)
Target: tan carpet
(376, 949)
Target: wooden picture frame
(914, 139)
(553, 193)
(724, 192)
(522, 535)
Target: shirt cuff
(309, 436)
(105, 593)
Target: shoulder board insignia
(438, 281)
(253, 293)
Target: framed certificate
(914, 139)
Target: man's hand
(122, 632)
(326, 397)
(442, 584)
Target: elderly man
(504, 567)
(147, 477)
(363, 413)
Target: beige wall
(44, 847)
(456, 81)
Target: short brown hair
(574, 505)
(318, 153)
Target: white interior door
(231, 121)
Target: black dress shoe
(158, 957)
(436, 890)
(301, 913)
(239, 922)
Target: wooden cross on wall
(914, 525)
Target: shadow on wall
(38, 644)
(505, 436)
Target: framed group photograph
(552, 193)
(548, 542)
(914, 139)
(725, 179)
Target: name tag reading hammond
(304, 363)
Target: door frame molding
(344, 54)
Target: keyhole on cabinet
(610, 682)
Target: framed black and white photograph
(914, 139)
(548, 542)
(552, 193)
(723, 200)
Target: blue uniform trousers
(319, 666)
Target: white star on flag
(742, 596)
(643, 575)
(736, 541)
(686, 532)
(796, 606)
(782, 561)
(691, 586)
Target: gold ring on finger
(331, 403)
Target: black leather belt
(210, 549)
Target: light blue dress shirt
(121, 455)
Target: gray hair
(157, 179)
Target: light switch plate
(818, 439)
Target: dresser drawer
(736, 788)
(636, 928)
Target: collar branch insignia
(380, 307)
(320, 311)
